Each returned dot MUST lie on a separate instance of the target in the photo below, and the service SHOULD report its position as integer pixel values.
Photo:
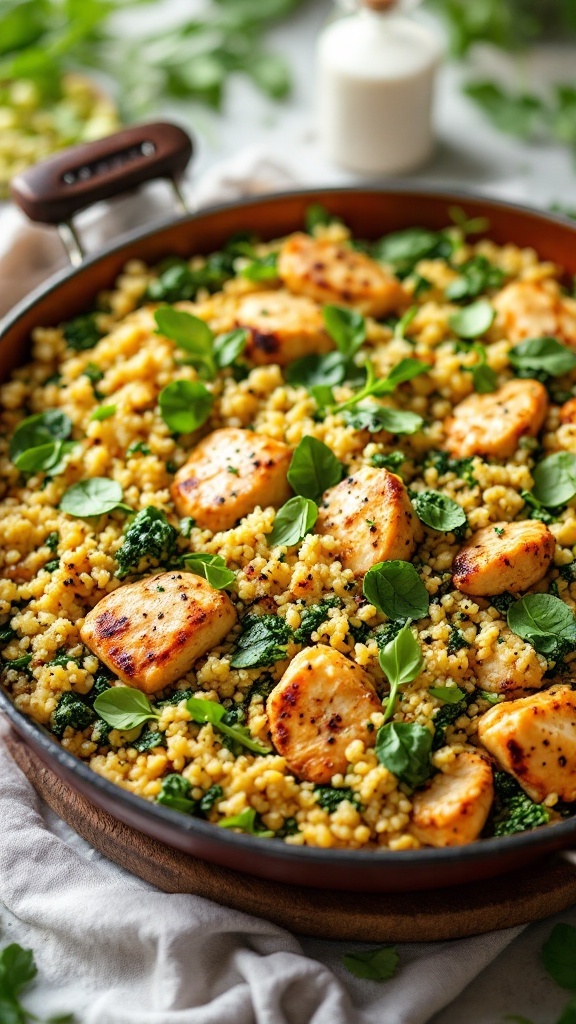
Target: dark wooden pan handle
(53, 191)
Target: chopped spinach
(71, 712)
(175, 793)
(62, 658)
(177, 281)
(52, 540)
(456, 641)
(513, 810)
(330, 798)
(82, 333)
(7, 634)
(148, 740)
(537, 509)
(210, 797)
(477, 275)
(17, 664)
(174, 699)
(444, 463)
(445, 717)
(137, 448)
(262, 641)
(393, 461)
(149, 536)
(502, 602)
(312, 616)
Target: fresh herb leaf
(476, 276)
(395, 588)
(404, 749)
(404, 249)
(16, 664)
(204, 711)
(137, 448)
(185, 405)
(514, 113)
(474, 320)
(191, 334)
(449, 694)
(263, 269)
(535, 509)
(262, 641)
(38, 443)
(346, 328)
(403, 372)
(374, 417)
(544, 621)
(438, 511)
(484, 378)
(246, 821)
(375, 964)
(313, 468)
(317, 371)
(124, 707)
(175, 793)
(293, 521)
(555, 479)
(212, 568)
(546, 356)
(93, 497)
(393, 461)
(229, 346)
(401, 661)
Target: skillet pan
(52, 193)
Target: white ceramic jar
(375, 84)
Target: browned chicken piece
(322, 703)
(370, 515)
(228, 474)
(535, 309)
(568, 411)
(534, 739)
(504, 556)
(453, 809)
(512, 665)
(151, 632)
(493, 424)
(331, 272)
(281, 327)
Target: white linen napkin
(117, 951)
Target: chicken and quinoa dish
(288, 536)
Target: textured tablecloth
(115, 950)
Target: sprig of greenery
(17, 970)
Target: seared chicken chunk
(322, 703)
(512, 665)
(228, 474)
(331, 272)
(534, 739)
(370, 516)
(151, 632)
(453, 809)
(493, 424)
(504, 556)
(281, 327)
(536, 309)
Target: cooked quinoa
(56, 567)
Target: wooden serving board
(527, 895)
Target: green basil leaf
(404, 749)
(313, 468)
(229, 346)
(374, 964)
(346, 328)
(322, 395)
(185, 405)
(190, 333)
(314, 370)
(93, 497)
(293, 521)
(404, 371)
(555, 479)
(40, 430)
(438, 511)
(203, 711)
(474, 320)
(543, 620)
(396, 589)
(265, 269)
(212, 568)
(123, 707)
(477, 275)
(449, 694)
(484, 379)
(103, 412)
(559, 955)
(374, 417)
(401, 661)
(542, 355)
(245, 822)
(403, 249)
